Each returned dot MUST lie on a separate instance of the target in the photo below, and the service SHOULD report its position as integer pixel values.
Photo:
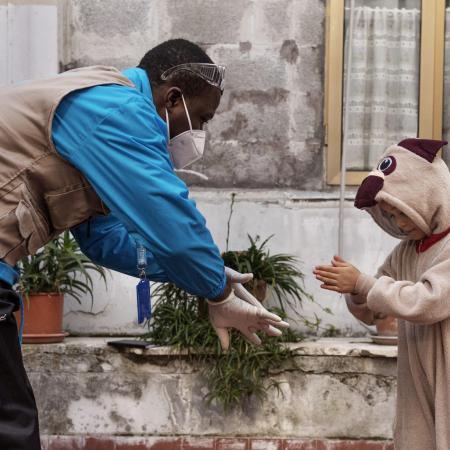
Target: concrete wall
(266, 142)
(268, 130)
(333, 389)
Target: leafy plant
(180, 320)
(279, 271)
(59, 267)
(281, 274)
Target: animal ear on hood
(425, 148)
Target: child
(408, 195)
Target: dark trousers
(19, 427)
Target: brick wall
(211, 443)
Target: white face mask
(186, 147)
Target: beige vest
(40, 194)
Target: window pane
(384, 78)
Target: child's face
(405, 224)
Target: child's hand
(341, 276)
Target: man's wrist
(224, 294)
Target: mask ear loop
(187, 112)
(168, 126)
(187, 115)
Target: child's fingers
(326, 273)
(338, 263)
(326, 280)
(330, 269)
(330, 288)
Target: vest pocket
(72, 207)
(11, 241)
(32, 227)
(23, 232)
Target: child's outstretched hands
(341, 276)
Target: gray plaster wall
(333, 389)
(268, 131)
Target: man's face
(201, 109)
(405, 224)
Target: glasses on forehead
(211, 73)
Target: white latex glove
(237, 281)
(236, 313)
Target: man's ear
(172, 97)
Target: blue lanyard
(144, 306)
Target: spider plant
(59, 267)
(180, 320)
(280, 271)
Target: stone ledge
(335, 389)
(354, 347)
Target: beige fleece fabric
(418, 188)
(415, 288)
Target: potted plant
(278, 272)
(180, 320)
(57, 269)
(387, 330)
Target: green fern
(180, 320)
(60, 267)
(279, 271)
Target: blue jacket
(115, 137)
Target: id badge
(144, 306)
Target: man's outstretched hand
(241, 310)
(234, 312)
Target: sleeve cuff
(219, 289)
(220, 302)
(8, 274)
(364, 284)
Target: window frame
(431, 83)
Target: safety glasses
(211, 73)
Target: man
(94, 150)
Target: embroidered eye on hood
(410, 177)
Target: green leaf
(59, 266)
(242, 372)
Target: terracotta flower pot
(43, 316)
(259, 289)
(387, 326)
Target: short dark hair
(172, 53)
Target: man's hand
(341, 276)
(237, 280)
(245, 317)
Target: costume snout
(365, 197)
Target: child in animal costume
(408, 195)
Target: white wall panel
(28, 40)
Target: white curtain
(384, 83)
